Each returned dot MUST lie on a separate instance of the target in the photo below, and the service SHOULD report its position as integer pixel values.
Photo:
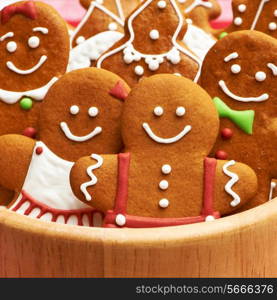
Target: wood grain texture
(242, 245)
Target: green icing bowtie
(244, 119)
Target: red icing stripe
(27, 9)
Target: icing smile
(14, 69)
(76, 138)
(226, 91)
(171, 140)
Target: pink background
(72, 11)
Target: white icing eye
(260, 76)
(161, 4)
(74, 109)
(33, 42)
(93, 111)
(158, 111)
(235, 69)
(272, 26)
(275, 13)
(11, 46)
(180, 111)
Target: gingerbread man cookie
(81, 114)
(99, 30)
(164, 176)
(240, 73)
(258, 15)
(152, 44)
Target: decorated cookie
(152, 44)
(240, 74)
(258, 15)
(99, 30)
(164, 176)
(200, 12)
(81, 114)
(40, 180)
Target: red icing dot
(30, 132)
(220, 154)
(226, 133)
(39, 150)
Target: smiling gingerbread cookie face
(81, 114)
(240, 73)
(34, 47)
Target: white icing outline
(93, 178)
(157, 57)
(171, 140)
(198, 3)
(88, 14)
(231, 182)
(231, 56)
(226, 91)
(273, 68)
(11, 97)
(75, 138)
(258, 14)
(272, 188)
(7, 35)
(43, 30)
(14, 69)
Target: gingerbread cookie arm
(235, 184)
(15, 157)
(94, 180)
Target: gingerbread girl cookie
(152, 44)
(81, 114)
(164, 176)
(240, 73)
(99, 30)
(258, 15)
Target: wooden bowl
(242, 245)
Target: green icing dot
(26, 103)
(222, 35)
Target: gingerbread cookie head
(81, 114)
(258, 15)
(152, 44)
(34, 48)
(241, 69)
(200, 12)
(172, 113)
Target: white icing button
(260, 76)
(120, 220)
(242, 8)
(272, 26)
(74, 110)
(11, 46)
(139, 70)
(112, 26)
(154, 34)
(164, 185)
(166, 169)
(210, 218)
(93, 111)
(161, 4)
(275, 13)
(238, 21)
(235, 69)
(163, 203)
(33, 42)
(180, 111)
(158, 111)
(80, 40)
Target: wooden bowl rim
(174, 236)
